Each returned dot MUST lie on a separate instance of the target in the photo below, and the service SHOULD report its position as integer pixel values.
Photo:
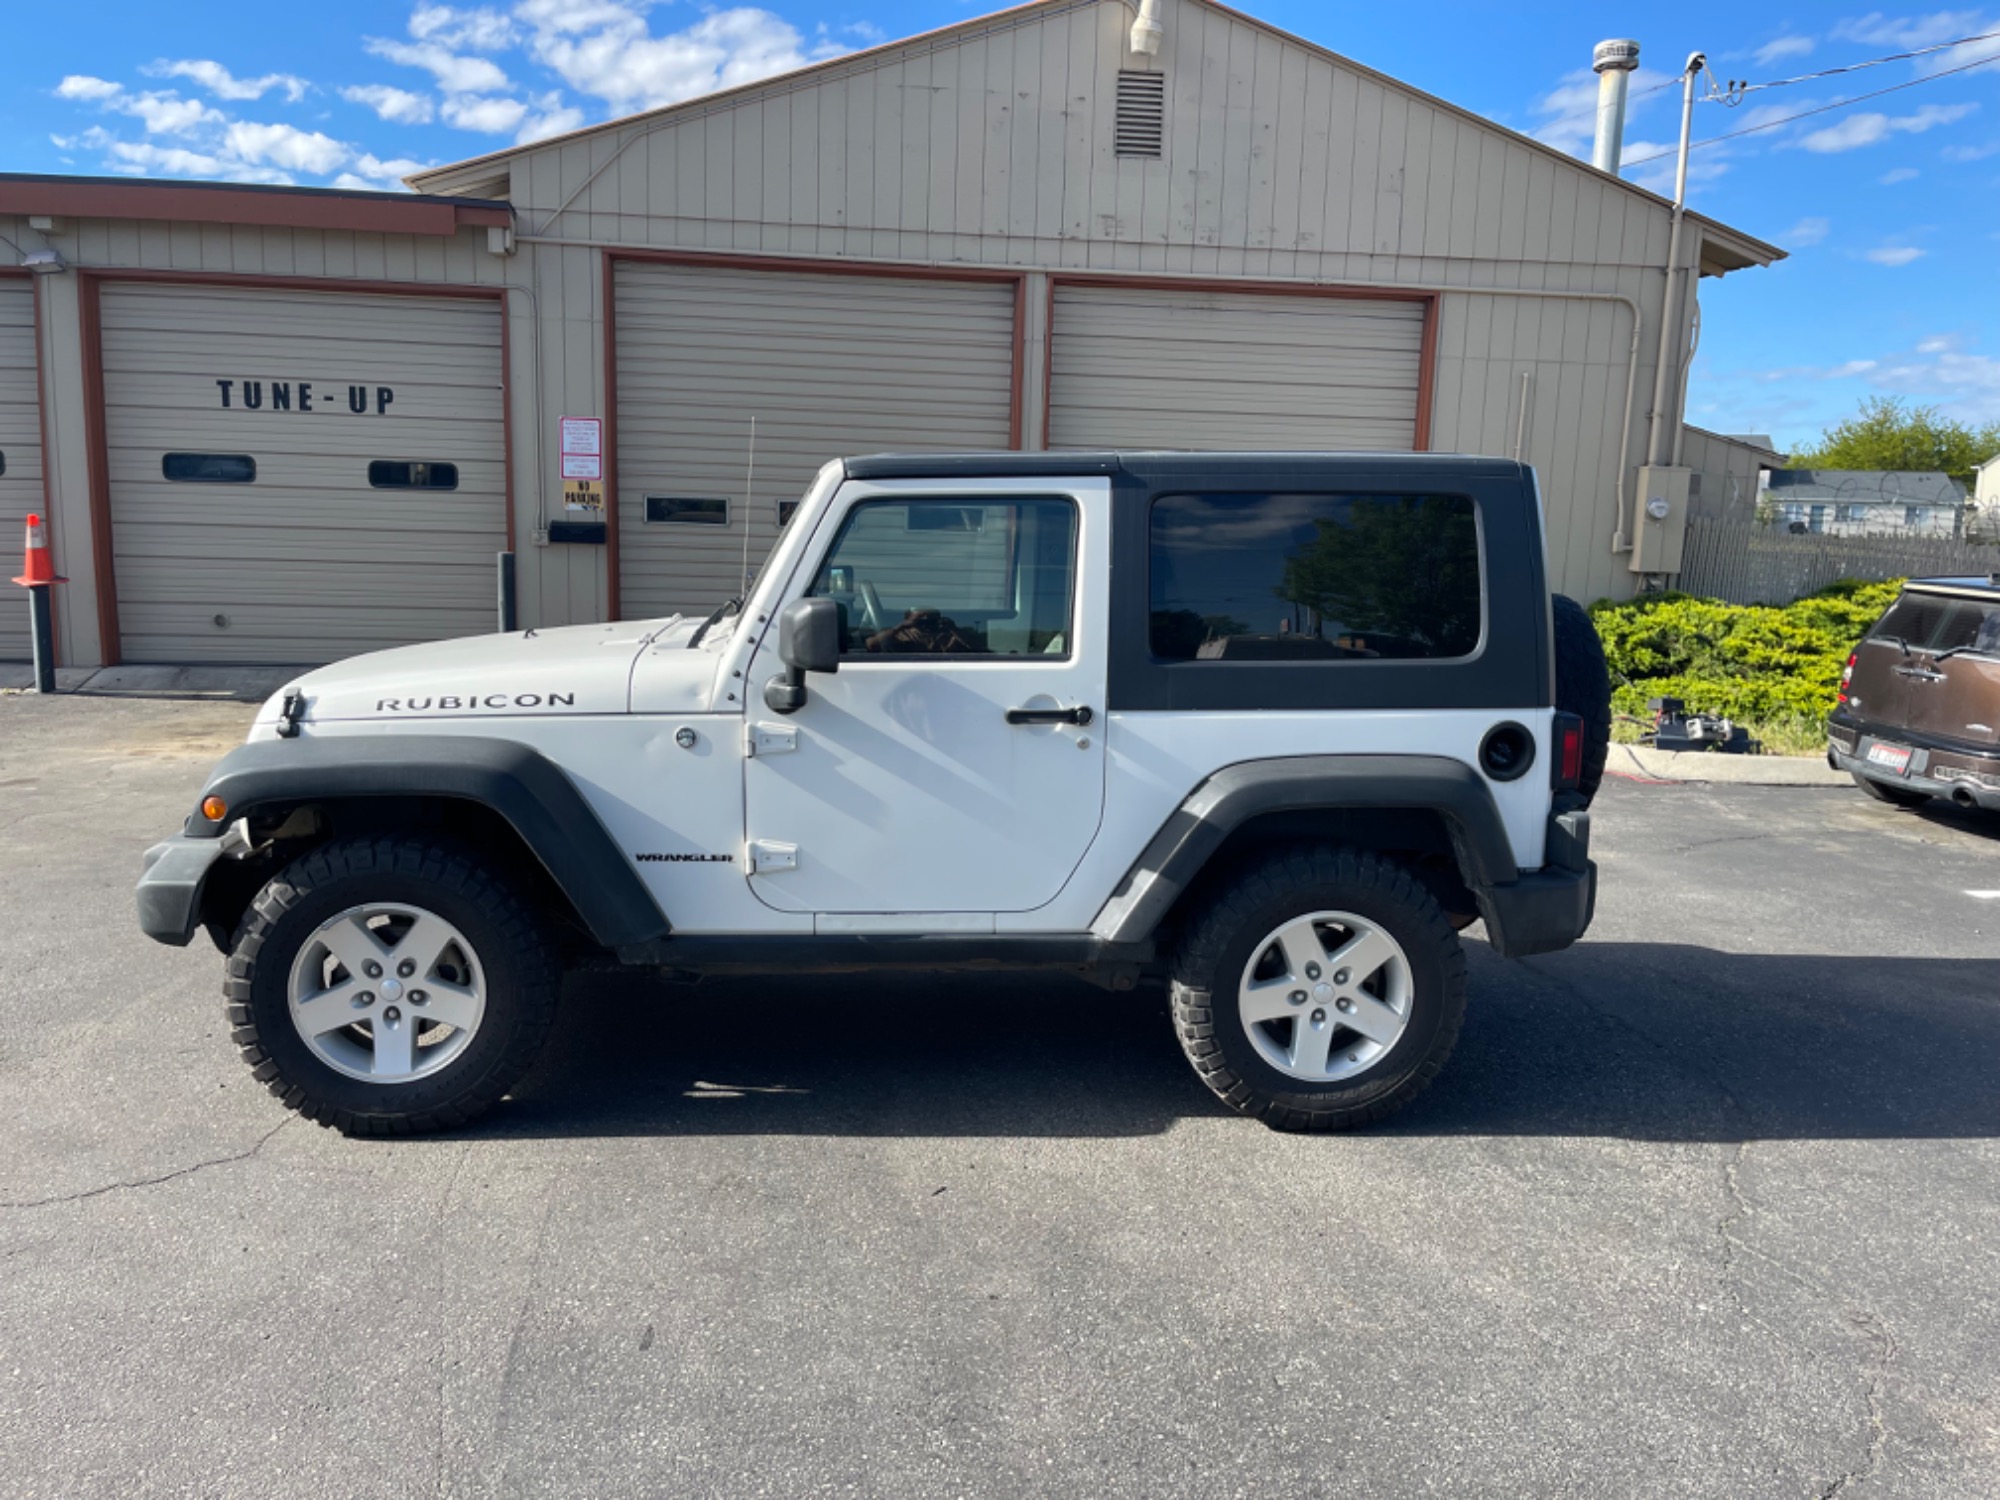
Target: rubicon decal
(473, 702)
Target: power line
(1894, 88)
(1876, 62)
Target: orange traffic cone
(40, 568)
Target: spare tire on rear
(1583, 687)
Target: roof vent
(1142, 113)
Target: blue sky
(1890, 207)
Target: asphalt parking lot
(1709, 1205)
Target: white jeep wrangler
(1273, 727)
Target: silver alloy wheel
(1325, 996)
(387, 993)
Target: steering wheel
(872, 615)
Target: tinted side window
(954, 578)
(1314, 577)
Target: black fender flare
(1235, 794)
(539, 802)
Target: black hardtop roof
(1971, 584)
(1170, 465)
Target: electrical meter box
(1661, 524)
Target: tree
(1890, 436)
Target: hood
(570, 670)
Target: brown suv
(1919, 713)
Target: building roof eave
(256, 204)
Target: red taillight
(1569, 750)
(1847, 676)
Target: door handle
(1078, 715)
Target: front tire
(390, 986)
(1320, 990)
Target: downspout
(1670, 297)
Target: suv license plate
(1890, 757)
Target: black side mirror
(809, 635)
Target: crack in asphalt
(1865, 1319)
(1732, 838)
(144, 1182)
(1878, 1424)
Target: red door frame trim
(796, 265)
(1426, 358)
(95, 422)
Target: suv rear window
(1314, 577)
(1935, 622)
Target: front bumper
(169, 894)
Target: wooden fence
(1749, 564)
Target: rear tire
(1380, 970)
(1895, 796)
(1583, 687)
(390, 986)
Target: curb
(1737, 770)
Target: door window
(954, 577)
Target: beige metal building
(290, 424)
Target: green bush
(1776, 670)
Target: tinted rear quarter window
(1292, 577)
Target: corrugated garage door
(354, 410)
(830, 365)
(1137, 368)
(20, 455)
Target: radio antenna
(749, 478)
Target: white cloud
(1570, 110)
(1938, 343)
(220, 82)
(285, 146)
(1866, 129)
(371, 174)
(605, 49)
(475, 112)
(1852, 368)
(83, 86)
(1971, 153)
(1906, 33)
(1900, 174)
(164, 112)
(142, 157)
(1893, 255)
(475, 30)
(1780, 48)
(399, 106)
(1807, 232)
(550, 116)
(454, 73)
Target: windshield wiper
(728, 608)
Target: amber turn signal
(214, 809)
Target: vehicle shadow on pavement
(1643, 1041)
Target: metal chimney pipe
(1613, 61)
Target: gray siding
(1723, 486)
(991, 146)
(20, 448)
